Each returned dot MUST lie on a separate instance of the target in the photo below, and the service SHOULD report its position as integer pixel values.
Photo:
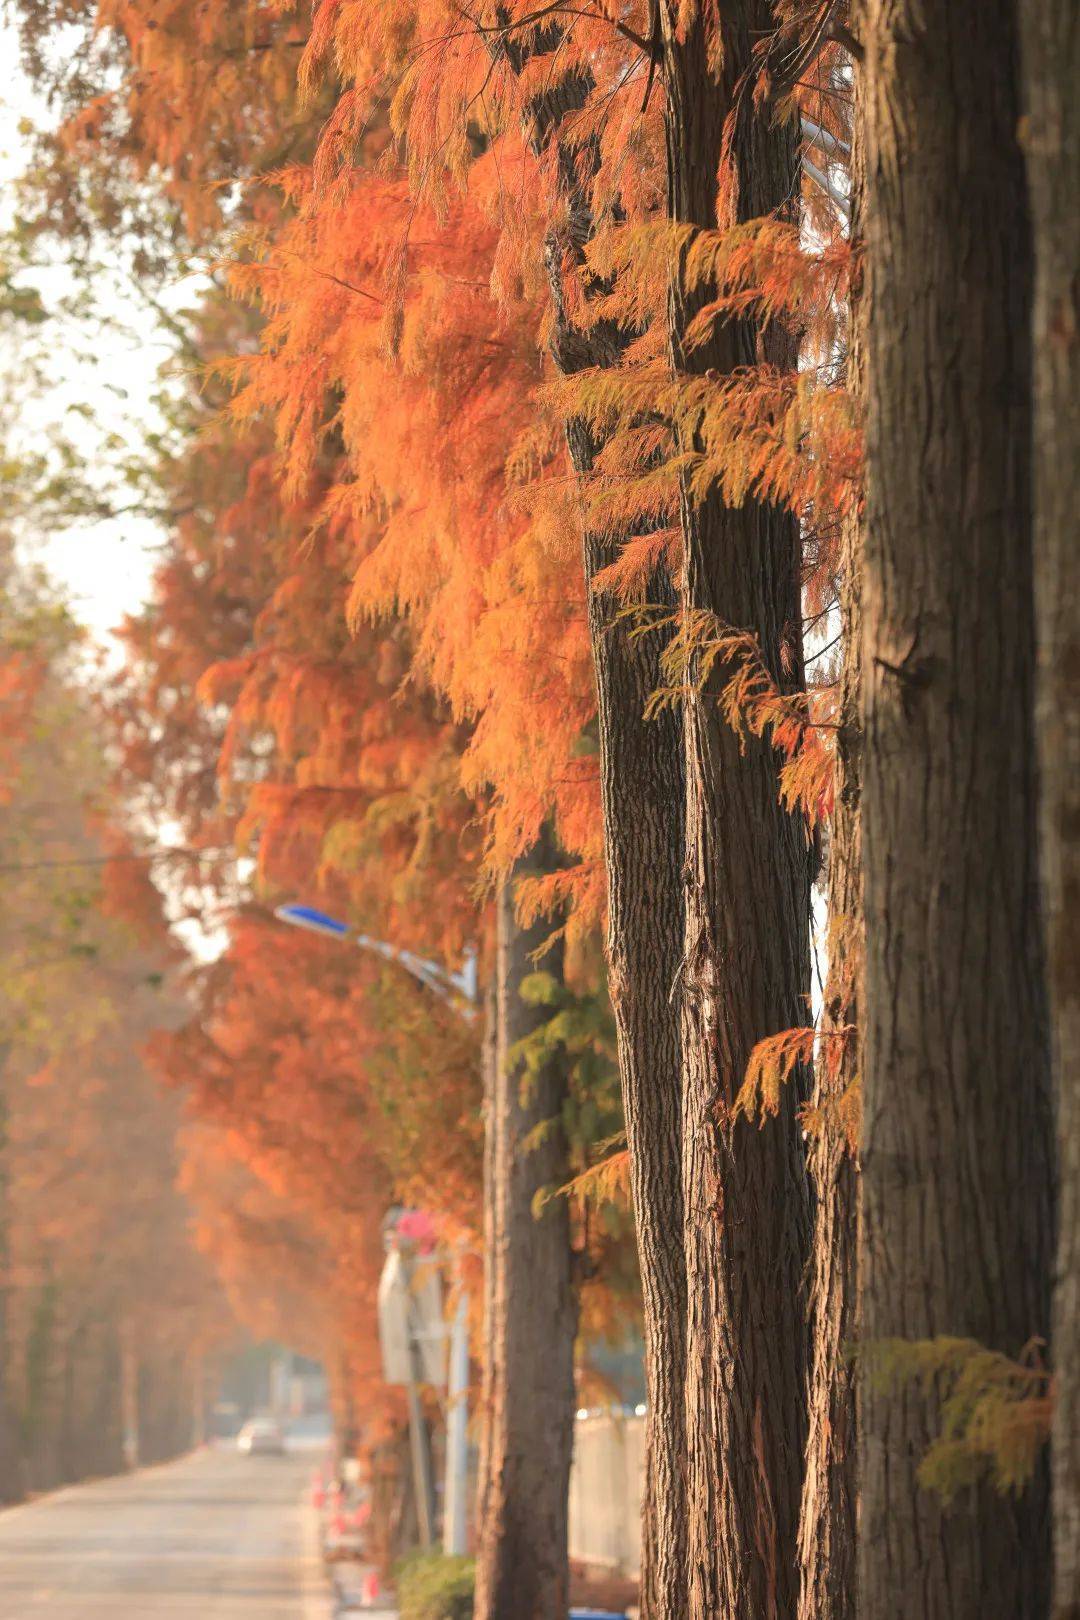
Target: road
(215, 1536)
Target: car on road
(262, 1435)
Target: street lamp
(461, 991)
(450, 986)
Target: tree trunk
(642, 791)
(957, 1169)
(489, 1061)
(522, 1565)
(827, 1552)
(1050, 32)
(642, 788)
(129, 1393)
(11, 1452)
(643, 797)
(746, 961)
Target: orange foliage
(306, 1068)
(20, 681)
(427, 429)
(367, 657)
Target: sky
(105, 568)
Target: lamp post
(461, 991)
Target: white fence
(606, 1483)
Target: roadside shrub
(433, 1587)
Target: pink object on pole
(416, 1226)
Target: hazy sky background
(104, 567)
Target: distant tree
(94, 1238)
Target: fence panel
(606, 1483)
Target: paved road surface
(215, 1536)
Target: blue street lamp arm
(448, 985)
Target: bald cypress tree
(956, 1152)
(745, 969)
(1050, 37)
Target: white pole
(421, 1455)
(457, 1440)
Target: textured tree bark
(642, 790)
(746, 961)
(522, 1561)
(827, 1552)
(1050, 38)
(957, 1171)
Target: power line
(212, 852)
